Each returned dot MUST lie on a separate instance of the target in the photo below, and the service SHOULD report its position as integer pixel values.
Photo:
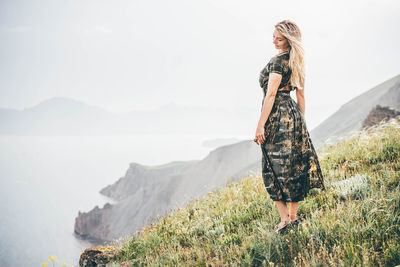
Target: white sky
(142, 54)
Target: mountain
(66, 116)
(55, 116)
(348, 119)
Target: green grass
(233, 226)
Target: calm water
(46, 180)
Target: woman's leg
(293, 210)
(283, 212)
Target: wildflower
(53, 258)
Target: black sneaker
(295, 223)
(283, 229)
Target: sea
(46, 180)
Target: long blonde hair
(292, 33)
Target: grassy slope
(234, 225)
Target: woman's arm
(301, 100)
(273, 83)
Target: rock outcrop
(379, 114)
(97, 256)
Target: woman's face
(280, 41)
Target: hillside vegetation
(234, 225)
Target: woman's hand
(260, 135)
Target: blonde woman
(290, 166)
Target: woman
(290, 166)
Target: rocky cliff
(148, 191)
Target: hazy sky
(142, 54)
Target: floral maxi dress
(290, 166)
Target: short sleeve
(276, 66)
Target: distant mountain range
(148, 191)
(66, 116)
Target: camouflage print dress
(290, 166)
